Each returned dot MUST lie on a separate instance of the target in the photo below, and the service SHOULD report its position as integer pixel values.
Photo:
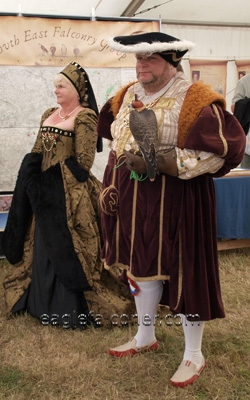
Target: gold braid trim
(117, 241)
(198, 96)
(180, 274)
(161, 219)
(133, 220)
(225, 145)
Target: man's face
(153, 70)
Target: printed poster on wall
(55, 42)
(213, 73)
(243, 68)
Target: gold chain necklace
(68, 115)
(48, 141)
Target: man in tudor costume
(168, 139)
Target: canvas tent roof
(197, 12)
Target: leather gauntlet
(135, 162)
(167, 163)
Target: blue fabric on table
(233, 207)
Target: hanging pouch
(109, 198)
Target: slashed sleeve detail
(191, 163)
(85, 138)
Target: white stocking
(146, 303)
(193, 332)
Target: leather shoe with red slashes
(130, 349)
(187, 373)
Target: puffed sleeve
(191, 163)
(105, 120)
(85, 128)
(219, 134)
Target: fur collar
(198, 96)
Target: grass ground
(42, 362)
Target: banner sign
(55, 42)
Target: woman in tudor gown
(52, 234)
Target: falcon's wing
(144, 128)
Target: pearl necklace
(67, 116)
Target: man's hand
(135, 162)
(166, 163)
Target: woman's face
(65, 92)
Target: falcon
(144, 128)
